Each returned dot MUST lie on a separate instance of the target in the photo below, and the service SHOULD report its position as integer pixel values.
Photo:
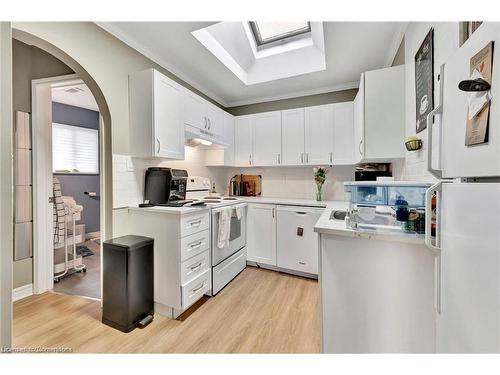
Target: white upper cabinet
(383, 98)
(228, 121)
(359, 122)
(243, 140)
(267, 133)
(215, 121)
(319, 134)
(156, 118)
(292, 136)
(343, 133)
(194, 110)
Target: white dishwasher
(297, 248)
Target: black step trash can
(127, 300)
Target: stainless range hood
(200, 137)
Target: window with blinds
(75, 149)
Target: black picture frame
(424, 81)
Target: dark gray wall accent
(29, 62)
(399, 58)
(302, 101)
(76, 116)
(76, 185)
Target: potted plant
(319, 178)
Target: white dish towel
(224, 227)
(239, 210)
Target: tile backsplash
(291, 182)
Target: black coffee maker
(164, 187)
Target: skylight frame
(278, 39)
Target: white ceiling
(350, 48)
(78, 95)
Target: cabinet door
(267, 144)
(343, 137)
(292, 136)
(228, 138)
(297, 243)
(194, 110)
(261, 233)
(359, 122)
(384, 109)
(215, 120)
(168, 124)
(243, 140)
(319, 134)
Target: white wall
(446, 38)
(297, 182)
(290, 182)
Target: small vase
(319, 192)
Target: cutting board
(254, 183)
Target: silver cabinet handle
(197, 289)
(209, 124)
(194, 268)
(302, 263)
(300, 213)
(250, 159)
(331, 157)
(197, 222)
(359, 147)
(279, 159)
(302, 158)
(158, 141)
(195, 245)
(273, 211)
(307, 157)
(205, 122)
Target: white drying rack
(76, 264)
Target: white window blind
(74, 149)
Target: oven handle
(217, 210)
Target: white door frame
(43, 251)
(6, 185)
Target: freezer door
(458, 160)
(469, 321)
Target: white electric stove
(227, 262)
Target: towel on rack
(59, 212)
(224, 227)
(70, 206)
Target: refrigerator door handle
(436, 111)
(434, 247)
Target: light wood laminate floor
(261, 311)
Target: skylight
(270, 32)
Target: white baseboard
(22, 292)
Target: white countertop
(338, 227)
(169, 210)
(287, 201)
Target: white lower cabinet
(261, 233)
(297, 243)
(182, 272)
(283, 237)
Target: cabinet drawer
(194, 244)
(194, 223)
(195, 266)
(195, 289)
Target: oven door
(237, 237)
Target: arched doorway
(105, 154)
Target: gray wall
(76, 185)
(29, 63)
(302, 101)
